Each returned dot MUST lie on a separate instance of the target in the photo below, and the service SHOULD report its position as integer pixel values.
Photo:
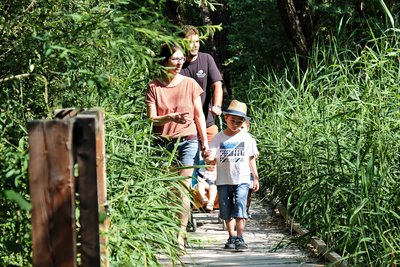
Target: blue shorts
(188, 152)
(233, 201)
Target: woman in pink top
(174, 105)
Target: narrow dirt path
(266, 234)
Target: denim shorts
(187, 150)
(233, 201)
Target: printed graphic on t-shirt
(201, 74)
(232, 152)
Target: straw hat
(237, 108)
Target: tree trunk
(297, 21)
(171, 12)
(205, 13)
(306, 21)
(221, 16)
(206, 20)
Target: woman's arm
(179, 117)
(200, 122)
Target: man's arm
(216, 88)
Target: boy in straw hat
(235, 157)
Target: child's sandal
(210, 206)
(204, 201)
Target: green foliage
(329, 140)
(258, 41)
(328, 136)
(142, 213)
(58, 54)
(333, 16)
(187, 4)
(15, 244)
(256, 36)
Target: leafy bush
(82, 54)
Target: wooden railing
(68, 189)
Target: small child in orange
(206, 183)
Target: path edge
(317, 243)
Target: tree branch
(19, 76)
(30, 6)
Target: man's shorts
(233, 201)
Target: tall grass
(329, 140)
(143, 224)
(84, 54)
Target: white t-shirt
(233, 156)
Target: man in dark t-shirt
(201, 67)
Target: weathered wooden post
(90, 151)
(102, 186)
(85, 152)
(58, 148)
(52, 193)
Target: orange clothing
(178, 98)
(211, 132)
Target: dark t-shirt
(205, 72)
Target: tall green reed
(329, 146)
(84, 54)
(143, 214)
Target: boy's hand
(256, 185)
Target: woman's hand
(179, 117)
(209, 157)
(204, 148)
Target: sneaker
(240, 245)
(230, 243)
